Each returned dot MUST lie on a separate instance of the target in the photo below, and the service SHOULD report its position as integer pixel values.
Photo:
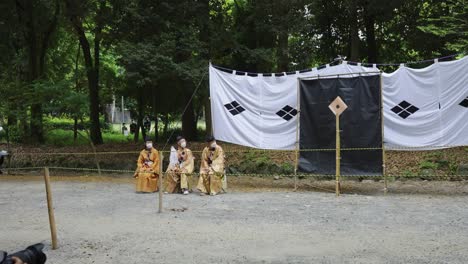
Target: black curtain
(360, 124)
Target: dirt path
(106, 222)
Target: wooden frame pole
(53, 229)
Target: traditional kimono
(147, 172)
(179, 170)
(211, 171)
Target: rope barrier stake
(160, 191)
(50, 207)
(384, 172)
(296, 162)
(338, 156)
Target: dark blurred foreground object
(3, 153)
(31, 255)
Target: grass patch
(61, 137)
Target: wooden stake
(50, 207)
(160, 190)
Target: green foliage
(15, 134)
(408, 173)
(453, 168)
(428, 165)
(447, 20)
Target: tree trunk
(166, 124)
(38, 42)
(24, 125)
(95, 129)
(189, 128)
(92, 70)
(77, 88)
(37, 134)
(12, 121)
(208, 124)
(139, 117)
(282, 52)
(372, 52)
(136, 136)
(75, 129)
(354, 33)
(33, 71)
(156, 125)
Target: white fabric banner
(260, 111)
(426, 108)
(423, 108)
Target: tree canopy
(72, 57)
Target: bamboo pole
(296, 164)
(382, 128)
(160, 179)
(338, 156)
(53, 229)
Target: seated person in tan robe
(211, 168)
(180, 167)
(147, 172)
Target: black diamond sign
(404, 109)
(464, 103)
(287, 113)
(234, 108)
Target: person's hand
(17, 260)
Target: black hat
(148, 138)
(209, 138)
(178, 138)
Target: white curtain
(423, 108)
(260, 111)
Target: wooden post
(338, 156)
(160, 189)
(50, 207)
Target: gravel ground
(106, 222)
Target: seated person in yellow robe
(211, 168)
(180, 167)
(147, 172)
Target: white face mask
(213, 145)
(149, 145)
(183, 144)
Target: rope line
(368, 64)
(186, 107)
(243, 150)
(243, 174)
